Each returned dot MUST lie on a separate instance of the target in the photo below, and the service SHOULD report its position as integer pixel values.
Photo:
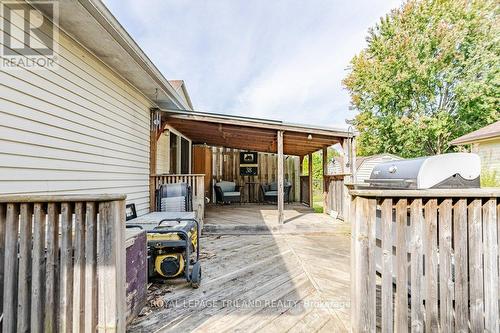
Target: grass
(318, 203)
(489, 178)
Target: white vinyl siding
(366, 167)
(76, 129)
(162, 154)
(489, 152)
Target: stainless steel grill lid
(454, 170)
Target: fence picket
(445, 277)
(490, 265)
(10, 269)
(23, 286)
(37, 268)
(417, 270)
(401, 309)
(461, 274)
(386, 231)
(476, 266)
(431, 267)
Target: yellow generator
(174, 250)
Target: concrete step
(252, 229)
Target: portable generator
(171, 244)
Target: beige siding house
(486, 143)
(83, 127)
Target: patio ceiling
(251, 133)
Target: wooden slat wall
(226, 166)
(453, 240)
(51, 260)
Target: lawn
(318, 203)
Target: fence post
(363, 264)
(111, 267)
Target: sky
(276, 59)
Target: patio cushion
(174, 190)
(273, 186)
(232, 194)
(226, 186)
(173, 204)
(271, 193)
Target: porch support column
(349, 170)
(310, 173)
(156, 127)
(326, 209)
(281, 194)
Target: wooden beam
(310, 169)
(352, 154)
(325, 181)
(154, 134)
(281, 184)
(255, 123)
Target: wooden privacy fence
(334, 195)
(62, 262)
(226, 166)
(197, 183)
(438, 260)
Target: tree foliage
(429, 74)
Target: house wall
(76, 129)
(163, 151)
(489, 152)
(162, 154)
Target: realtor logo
(29, 37)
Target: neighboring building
(486, 143)
(364, 165)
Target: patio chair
(174, 198)
(227, 192)
(270, 192)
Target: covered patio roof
(252, 133)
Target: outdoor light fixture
(309, 137)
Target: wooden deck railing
(197, 183)
(62, 262)
(445, 265)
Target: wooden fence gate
(445, 265)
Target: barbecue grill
(454, 170)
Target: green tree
(429, 74)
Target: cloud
(281, 59)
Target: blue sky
(278, 59)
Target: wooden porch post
(352, 155)
(281, 195)
(310, 173)
(326, 209)
(346, 169)
(155, 130)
